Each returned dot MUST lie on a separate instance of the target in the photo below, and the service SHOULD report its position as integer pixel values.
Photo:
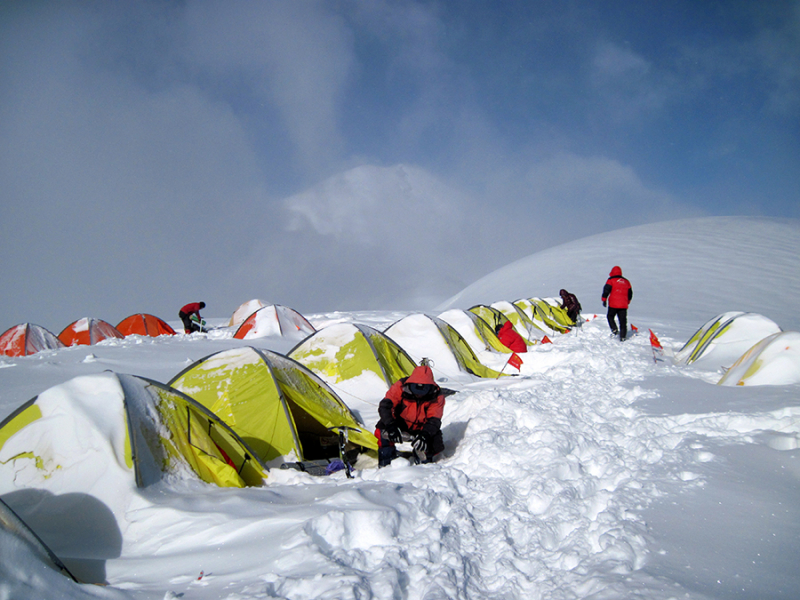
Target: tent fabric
(775, 360)
(349, 350)
(26, 339)
(274, 320)
(279, 407)
(453, 355)
(489, 314)
(118, 428)
(144, 324)
(533, 312)
(244, 310)
(11, 522)
(557, 313)
(522, 323)
(477, 332)
(723, 339)
(540, 312)
(87, 332)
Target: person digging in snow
(414, 405)
(186, 313)
(569, 302)
(617, 293)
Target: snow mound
(775, 360)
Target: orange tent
(25, 339)
(144, 324)
(88, 331)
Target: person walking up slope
(617, 293)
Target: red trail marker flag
(658, 350)
(515, 360)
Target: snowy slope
(682, 271)
(597, 473)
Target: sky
(368, 155)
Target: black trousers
(387, 451)
(620, 314)
(189, 326)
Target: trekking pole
(503, 369)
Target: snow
(596, 473)
(735, 334)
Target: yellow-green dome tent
(112, 425)
(414, 333)
(280, 408)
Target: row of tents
(533, 318)
(233, 414)
(749, 348)
(27, 338)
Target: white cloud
(379, 236)
(298, 56)
(614, 62)
(599, 193)
(628, 85)
(401, 237)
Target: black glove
(420, 443)
(393, 434)
(604, 303)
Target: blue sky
(357, 155)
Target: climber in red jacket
(413, 405)
(510, 338)
(617, 293)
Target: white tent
(775, 360)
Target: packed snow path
(541, 495)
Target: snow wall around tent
(280, 408)
(775, 360)
(26, 339)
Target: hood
(421, 374)
(615, 272)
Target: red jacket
(511, 339)
(191, 308)
(419, 415)
(617, 290)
